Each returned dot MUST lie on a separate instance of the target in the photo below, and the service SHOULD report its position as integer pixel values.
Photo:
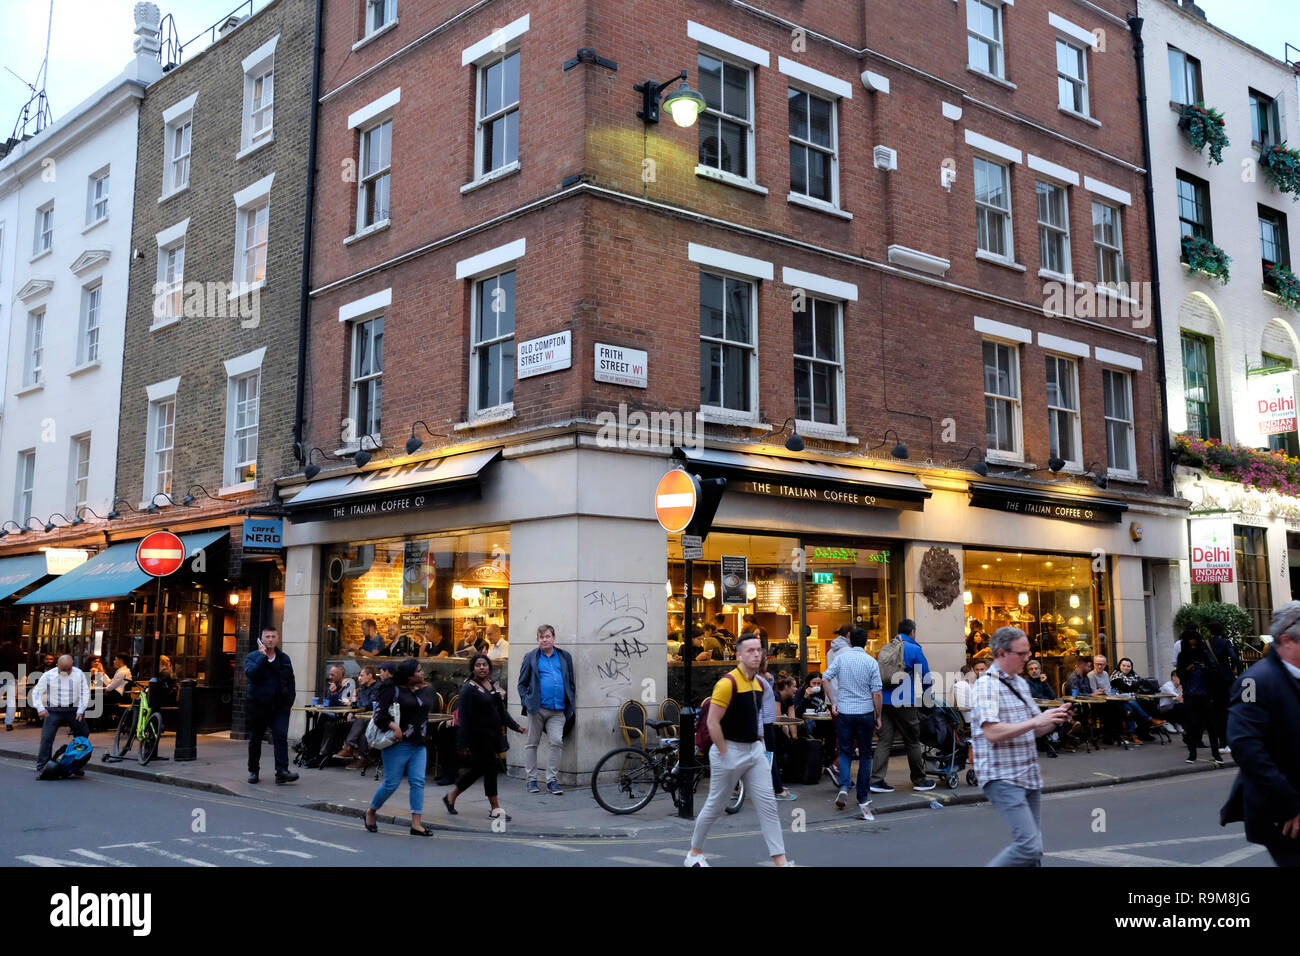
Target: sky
(91, 40)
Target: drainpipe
(1166, 466)
(298, 451)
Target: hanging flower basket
(1285, 285)
(1205, 126)
(1203, 256)
(1263, 470)
(1282, 167)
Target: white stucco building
(1217, 337)
(65, 214)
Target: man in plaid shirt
(1006, 722)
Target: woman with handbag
(481, 734)
(399, 728)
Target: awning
(387, 491)
(1041, 504)
(111, 573)
(17, 573)
(809, 481)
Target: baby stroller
(947, 748)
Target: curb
(171, 780)
(514, 830)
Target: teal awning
(111, 573)
(17, 573)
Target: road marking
(1103, 857)
(100, 858)
(633, 861)
(1098, 773)
(543, 845)
(35, 860)
(302, 838)
(148, 847)
(1236, 856)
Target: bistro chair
(632, 722)
(671, 711)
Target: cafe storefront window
(1058, 600)
(437, 598)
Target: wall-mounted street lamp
(794, 442)
(311, 471)
(4, 531)
(981, 466)
(685, 103)
(898, 451)
(189, 498)
(153, 502)
(1099, 478)
(67, 522)
(414, 444)
(362, 457)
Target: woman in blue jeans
(408, 755)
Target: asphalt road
(111, 821)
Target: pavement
(221, 767)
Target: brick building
(877, 228)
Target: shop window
(1253, 589)
(439, 599)
(189, 619)
(1058, 600)
(1200, 389)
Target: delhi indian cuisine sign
(1211, 550)
(1273, 400)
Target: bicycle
(140, 722)
(627, 778)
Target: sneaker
(553, 786)
(1190, 760)
(866, 811)
(841, 799)
(928, 785)
(1225, 750)
(693, 859)
(1218, 761)
(882, 788)
(788, 795)
(533, 787)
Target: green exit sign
(823, 577)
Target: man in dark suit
(1226, 665)
(1262, 717)
(270, 695)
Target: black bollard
(186, 738)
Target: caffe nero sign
(1060, 508)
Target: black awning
(1042, 504)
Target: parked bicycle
(140, 723)
(627, 778)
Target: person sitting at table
(337, 691)
(498, 646)
(470, 642)
(436, 643)
(371, 642)
(399, 645)
(355, 747)
(1136, 722)
(1039, 689)
(810, 697)
(961, 691)
(786, 689)
(1171, 708)
(115, 692)
(1080, 684)
(976, 639)
(713, 649)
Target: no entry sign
(160, 554)
(675, 500)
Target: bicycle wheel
(737, 798)
(150, 737)
(125, 732)
(625, 780)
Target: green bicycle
(140, 722)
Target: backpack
(68, 759)
(703, 740)
(890, 658)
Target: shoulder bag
(383, 739)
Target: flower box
(1204, 126)
(1282, 168)
(1265, 470)
(1283, 283)
(1205, 257)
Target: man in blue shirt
(373, 643)
(548, 693)
(902, 715)
(856, 706)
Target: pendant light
(1074, 600)
(1023, 598)
(709, 590)
(967, 597)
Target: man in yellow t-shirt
(738, 752)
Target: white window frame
(481, 121)
(808, 145)
(258, 67)
(1015, 400)
(485, 265)
(722, 412)
(161, 395)
(1061, 230)
(169, 283)
(79, 476)
(810, 426)
(43, 233)
(1008, 233)
(1127, 377)
(358, 381)
(240, 370)
(998, 43)
(25, 486)
(476, 345)
(176, 119)
(388, 11)
(97, 191)
(751, 177)
(367, 180)
(1187, 62)
(91, 324)
(249, 203)
(1080, 83)
(34, 349)
(1073, 415)
(1104, 249)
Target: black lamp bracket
(650, 91)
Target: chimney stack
(147, 35)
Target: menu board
(821, 597)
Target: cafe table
(315, 713)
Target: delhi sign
(1211, 550)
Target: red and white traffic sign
(160, 554)
(675, 500)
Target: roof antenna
(36, 111)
